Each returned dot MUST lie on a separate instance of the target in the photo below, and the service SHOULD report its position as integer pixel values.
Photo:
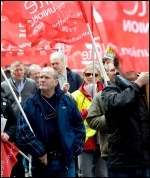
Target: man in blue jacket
(58, 128)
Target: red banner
(55, 21)
(8, 158)
(127, 28)
(123, 24)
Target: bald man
(73, 80)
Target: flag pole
(19, 105)
(106, 80)
(24, 155)
(64, 63)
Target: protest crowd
(58, 122)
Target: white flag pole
(28, 158)
(19, 105)
(64, 63)
(106, 80)
(24, 155)
(99, 57)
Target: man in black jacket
(7, 112)
(127, 118)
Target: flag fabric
(8, 158)
(127, 28)
(123, 25)
(14, 34)
(13, 37)
(56, 21)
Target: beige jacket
(96, 120)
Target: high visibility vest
(83, 103)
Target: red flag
(13, 36)
(127, 28)
(58, 21)
(8, 158)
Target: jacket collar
(36, 96)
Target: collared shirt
(62, 80)
(19, 85)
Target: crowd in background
(81, 127)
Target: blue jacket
(71, 127)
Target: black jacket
(127, 118)
(8, 113)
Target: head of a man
(48, 79)
(57, 62)
(128, 75)
(111, 72)
(106, 61)
(17, 71)
(34, 72)
(89, 76)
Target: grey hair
(57, 54)
(32, 67)
(16, 63)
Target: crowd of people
(80, 127)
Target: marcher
(127, 118)
(106, 61)
(8, 130)
(74, 80)
(7, 112)
(90, 162)
(96, 116)
(111, 72)
(23, 87)
(59, 132)
(34, 72)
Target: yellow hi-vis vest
(83, 103)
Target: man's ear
(56, 82)
(11, 71)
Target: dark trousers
(18, 169)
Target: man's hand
(4, 137)
(44, 159)
(65, 87)
(143, 79)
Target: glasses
(89, 74)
